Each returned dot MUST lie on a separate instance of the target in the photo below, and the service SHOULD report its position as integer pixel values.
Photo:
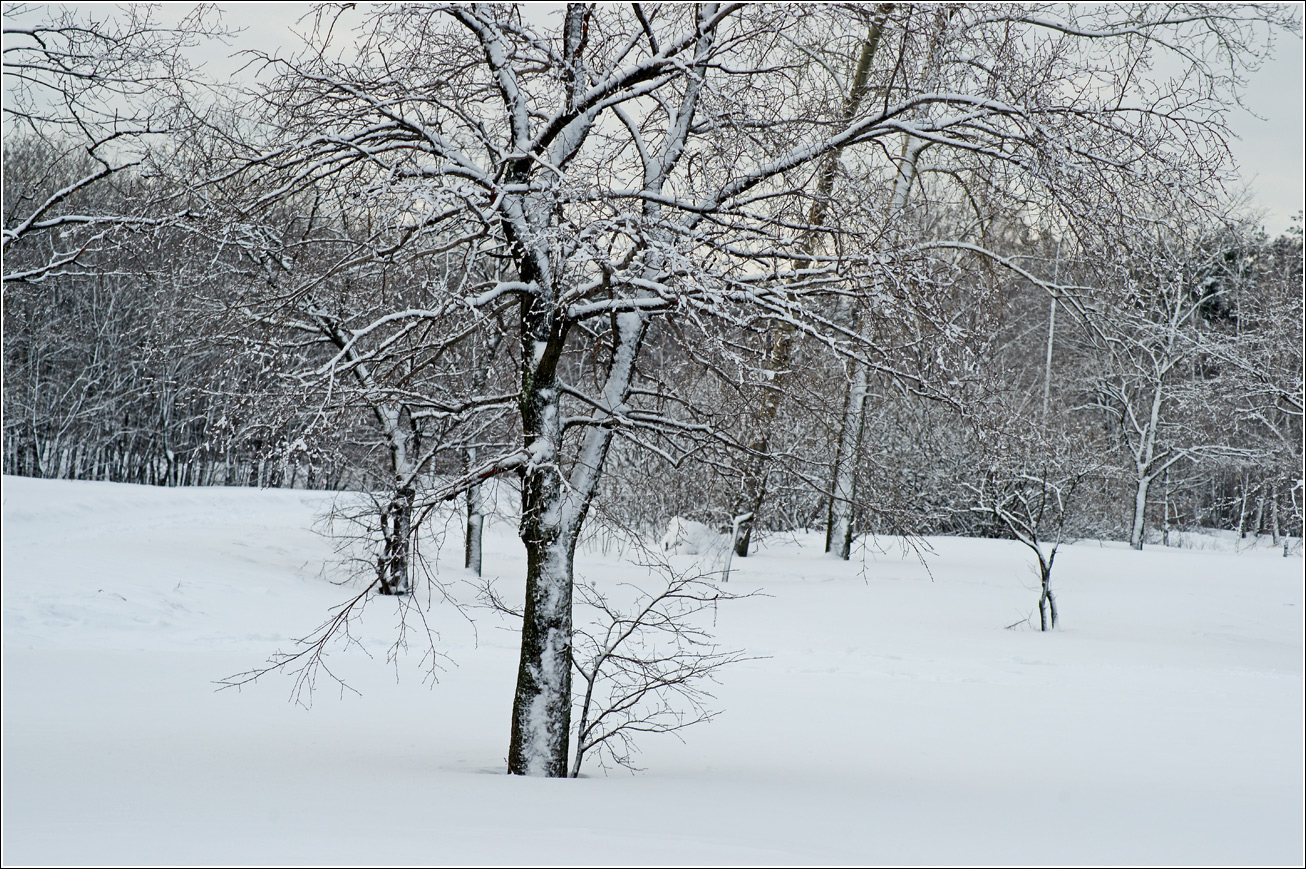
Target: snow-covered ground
(893, 719)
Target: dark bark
(1047, 603)
(394, 574)
(541, 716)
(541, 720)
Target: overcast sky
(1269, 150)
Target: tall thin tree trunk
(839, 525)
(1145, 460)
(1165, 508)
(779, 361)
(475, 498)
(1242, 513)
(752, 489)
(843, 489)
(1140, 512)
(1052, 334)
(1274, 513)
(475, 522)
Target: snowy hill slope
(893, 719)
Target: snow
(685, 536)
(892, 719)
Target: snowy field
(893, 720)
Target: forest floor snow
(887, 715)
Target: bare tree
(1256, 372)
(1032, 486)
(589, 266)
(642, 661)
(1062, 159)
(99, 93)
(104, 383)
(311, 264)
(646, 168)
(641, 667)
(1154, 340)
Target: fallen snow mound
(687, 537)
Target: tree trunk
(780, 359)
(394, 570)
(1165, 508)
(553, 512)
(1274, 513)
(843, 491)
(541, 712)
(1140, 512)
(1046, 597)
(839, 527)
(475, 524)
(475, 502)
(541, 722)
(753, 486)
(1242, 514)
(541, 715)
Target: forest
(881, 270)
